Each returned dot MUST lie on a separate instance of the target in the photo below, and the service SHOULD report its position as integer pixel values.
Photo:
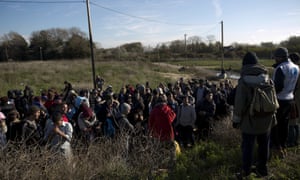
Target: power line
(142, 18)
(106, 8)
(100, 6)
(42, 2)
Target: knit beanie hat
(281, 52)
(250, 58)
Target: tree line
(57, 43)
(45, 45)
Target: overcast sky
(116, 22)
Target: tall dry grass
(102, 159)
(217, 158)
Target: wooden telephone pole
(222, 48)
(91, 42)
(223, 74)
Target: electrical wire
(42, 2)
(108, 9)
(100, 6)
(138, 17)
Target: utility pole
(41, 53)
(119, 52)
(222, 48)
(223, 73)
(185, 46)
(91, 42)
(6, 52)
(158, 56)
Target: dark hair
(13, 113)
(208, 91)
(56, 116)
(33, 109)
(295, 57)
(162, 98)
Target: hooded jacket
(251, 75)
(160, 122)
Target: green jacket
(251, 75)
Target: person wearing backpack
(254, 128)
(285, 78)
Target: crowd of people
(184, 111)
(53, 118)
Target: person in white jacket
(59, 135)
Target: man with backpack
(285, 78)
(255, 126)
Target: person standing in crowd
(87, 123)
(285, 78)
(205, 114)
(161, 128)
(295, 119)
(136, 116)
(186, 118)
(6, 106)
(50, 99)
(3, 130)
(199, 92)
(147, 102)
(31, 131)
(106, 116)
(66, 91)
(14, 131)
(253, 128)
(59, 136)
(64, 108)
(126, 129)
(99, 82)
(160, 120)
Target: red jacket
(160, 122)
(65, 118)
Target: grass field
(44, 74)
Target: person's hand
(236, 125)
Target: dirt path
(196, 72)
(199, 70)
